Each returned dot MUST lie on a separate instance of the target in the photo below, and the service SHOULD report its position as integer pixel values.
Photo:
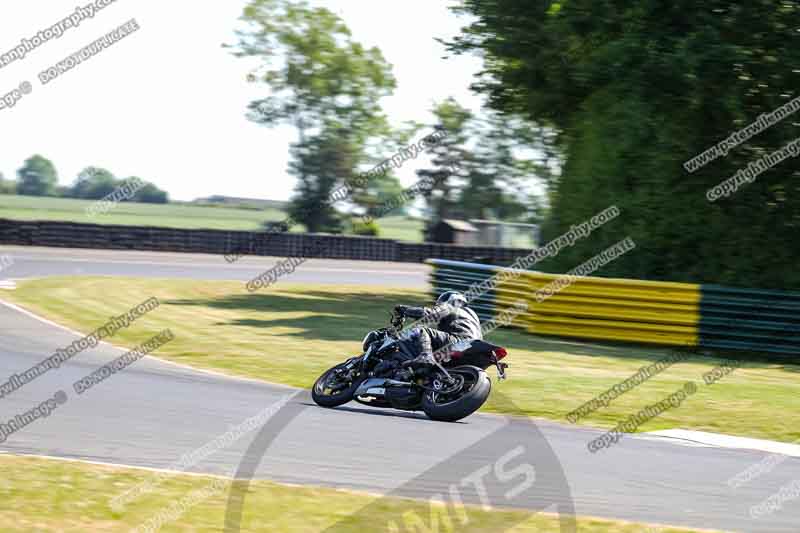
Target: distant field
(135, 214)
(174, 216)
(400, 228)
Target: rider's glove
(400, 309)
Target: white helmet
(454, 298)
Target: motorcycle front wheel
(335, 387)
(473, 393)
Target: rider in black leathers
(449, 322)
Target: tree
(320, 82)
(378, 192)
(94, 183)
(318, 162)
(634, 90)
(149, 194)
(498, 176)
(37, 177)
(479, 169)
(449, 153)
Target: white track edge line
(116, 465)
(159, 359)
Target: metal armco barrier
(667, 313)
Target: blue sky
(167, 102)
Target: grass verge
(51, 495)
(291, 333)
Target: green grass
(291, 333)
(176, 216)
(400, 228)
(69, 497)
(136, 214)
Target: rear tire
(464, 405)
(336, 399)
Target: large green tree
(377, 193)
(94, 183)
(37, 177)
(319, 161)
(635, 89)
(449, 155)
(323, 83)
(478, 168)
(505, 172)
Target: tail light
(500, 353)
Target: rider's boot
(384, 368)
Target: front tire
(451, 409)
(323, 398)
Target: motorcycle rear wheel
(449, 409)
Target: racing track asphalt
(153, 412)
(37, 262)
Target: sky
(167, 103)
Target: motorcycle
(447, 391)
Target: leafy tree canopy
(631, 91)
(37, 177)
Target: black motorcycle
(446, 391)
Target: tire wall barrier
(655, 312)
(146, 238)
